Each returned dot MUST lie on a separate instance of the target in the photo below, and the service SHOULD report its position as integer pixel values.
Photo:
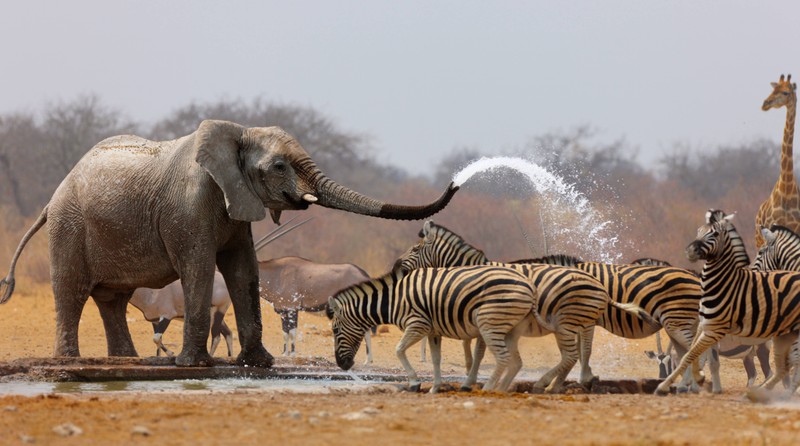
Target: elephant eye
(280, 166)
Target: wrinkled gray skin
(137, 213)
(163, 305)
(294, 284)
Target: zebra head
(439, 247)
(711, 237)
(781, 250)
(348, 329)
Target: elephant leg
(197, 283)
(118, 337)
(239, 268)
(69, 304)
(158, 335)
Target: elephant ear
(218, 146)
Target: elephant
(293, 284)
(138, 213)
(161, 306)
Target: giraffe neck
(787, 163)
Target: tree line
(655, 210)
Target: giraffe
(783, 205)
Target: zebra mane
(453, 239)
(553, 259)
(785, 230)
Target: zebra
(781, 250)
(739, 301)
(729, 347)
(493, 303)
(669, 295)
(570, 301)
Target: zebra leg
(781, 346)
(436, 359)
(368, 346)
(411, 336)
(762, 353)
(422, 352)
(467, 344)
(567, 341)
(472, 376)
(713, 364)
(682, 343)
(586, 338)
(512, 342)
(750, 367)
(703, 342)
(496, 342)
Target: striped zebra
(729, 347)
(739, 301)
(781, 250)
(670, 296)
(570, 301)
(492, 303)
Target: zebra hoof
(414, 389)
(661, 392)
(465, 389)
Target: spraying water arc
(569, 214)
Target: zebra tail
(540, 320)
(7, 284)
(637, 311)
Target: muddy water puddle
(31, 388)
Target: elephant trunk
(333, 195)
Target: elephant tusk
(310, 198)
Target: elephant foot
(127, 351)
(257, 357)
(194, 359)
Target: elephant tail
(7, 284)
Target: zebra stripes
(781, 250)
(570, 301)
(739, 301)
(669, 295)
(492, 303)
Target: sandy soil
(370, 415)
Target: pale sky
(422, 76)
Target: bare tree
(36, 154)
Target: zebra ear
(729, 218)
(332, 308)
(768, 235)
(426, 227)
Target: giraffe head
(783, 93)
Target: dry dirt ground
(371, 415)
